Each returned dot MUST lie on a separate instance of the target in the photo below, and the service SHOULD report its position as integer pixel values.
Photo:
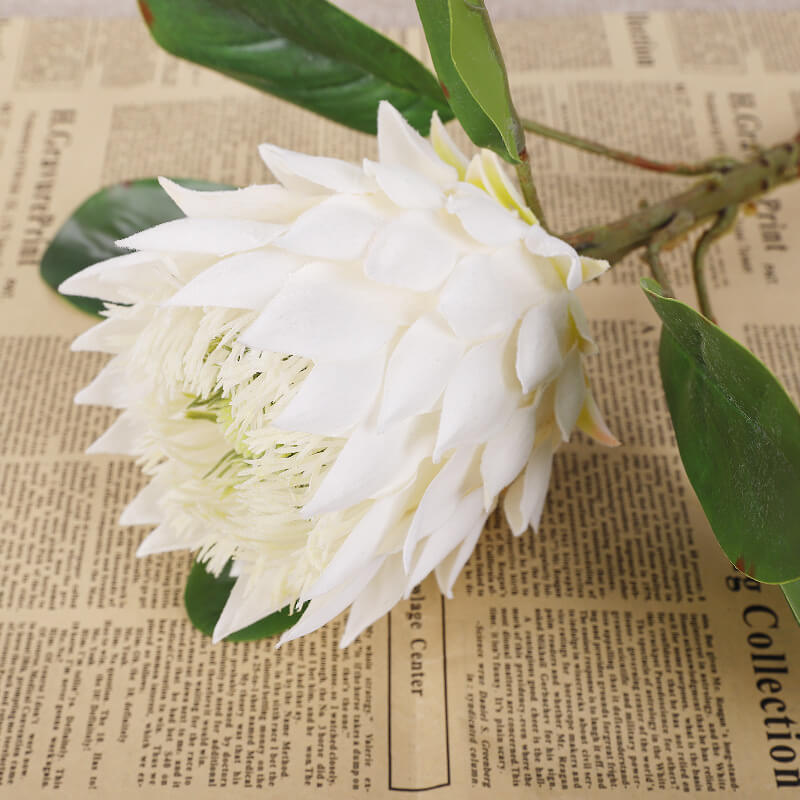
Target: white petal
(245, 280)
(399, 143)
(375, 600)
(484, 219)
(479, 398)
(372, 463)
(337, 229)
(487, 293)
(498, 184)
(592, 268)
(145, 508)
(324, 314)
(362, 543)
(441, 499)
(110, 387)
(446, 148)
(307, 174)
(324, 608)
(218, 237)
(524, 501)
(117, 279)
(538, 347)
(540, 242)
(124, 437)
(248, 602)
(447, 571)
(506, 453)
(413, 251)
(404, 187)
(570, 393)
(336, 396)
(266, 203)
(468, 515)
(591, 422)
(164, 540)
(418, 370)
(110, 336)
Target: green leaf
(739, 438)
(206, 595)
(478, 59)
(467, 91)
(113, 213)
(791, 592)
(308, 52)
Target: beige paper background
(608, 654)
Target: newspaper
(614, 654)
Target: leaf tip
(147, 13)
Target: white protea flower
(332, 380)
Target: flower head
(332, 380)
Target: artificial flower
(331, 380)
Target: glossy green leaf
(308, 52)
(791, 591)
(205, 597)
(739, 438)
(435, 17)
(477, 57)
(113, 213)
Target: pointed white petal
(591, 422)
(484, 219)
(324, 608)
(361, 544)
(586, 342)
(110, 387)
(219, 237)
(404, 187)
(418, 370)
(487, 293)
(371, 464)
(479, 397)
(116, 279)
(441, 499)
(399, 143)
(376, 599)
(336, 396)
(307, 174)
(145, 508)
(248, 602)
(325, 314)
(512, 506)
(570, 393)
(448, 570)
(468, 515)
(446, 148)
(541, 243)
(110, 336)
(164, 540)
(592, 268)
(507, 452)
(499, 185)
(122, 438)
(413, 251)
(536, 483)
(538, 347)
(245, 280)
(337, 229)
(266, 203)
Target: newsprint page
(615, 654)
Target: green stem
(721, 225)
(525, 177)
(673, 168)
(704, 201)
(678, 225)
